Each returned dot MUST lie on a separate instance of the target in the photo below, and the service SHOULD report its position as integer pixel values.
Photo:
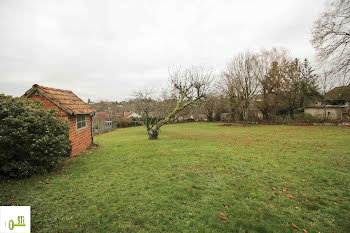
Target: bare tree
(241, 78)
(145, 104)
(187, 87)
(331, 39)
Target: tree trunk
(153, 134)
(265, 114)
(232, 113)
(245, 113)
(291, 113)
(210, 116)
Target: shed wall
(81, 139)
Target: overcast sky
(106, 49)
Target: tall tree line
(253, 85)
(269, 81)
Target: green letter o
(11, 227)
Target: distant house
(102, 116)
(336, 107)
(118, 115)
(71, 107)
(339, 96)
(103, 121)
(126, 114)
(133, 115)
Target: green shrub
(32, 139)
(124, 122)
(307, 118)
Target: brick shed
(77, 112)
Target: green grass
(262, 178)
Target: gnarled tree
(187, 87)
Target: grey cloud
(106, 49)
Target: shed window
(81, 122)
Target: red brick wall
(81, 138)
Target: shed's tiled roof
(65, 99)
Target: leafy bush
(307, 118)
(135, 121)
(124, 122)
(32, 139)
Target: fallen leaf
(161, 215)
(226, 206)
(273, 188)
(310, 223)
(307, 200)
(76, 226)
(40, 182)
(223, 217)
(290, 196)
(198, 211)
(335, 203)
(49, 186)
(304, 230)
(293, 225)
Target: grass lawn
(198, 177)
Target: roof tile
(67, 99)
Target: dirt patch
(302, 124)
(268, 123)
(265, 123)
(226, 125)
